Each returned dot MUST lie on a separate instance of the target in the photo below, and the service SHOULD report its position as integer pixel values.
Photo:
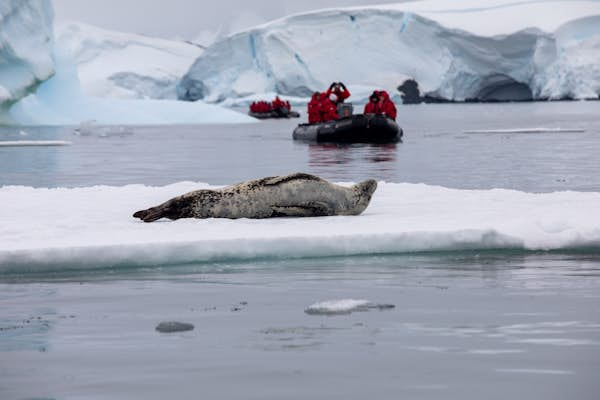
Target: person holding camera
(340, 91)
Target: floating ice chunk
(543, 371)
(173, 326)
(526, 130)
(22, 143)
(344, 306)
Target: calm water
(435, 151)
(467, 325)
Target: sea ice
(53, 229)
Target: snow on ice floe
(500, 50)
(126, 65)
(79, 228)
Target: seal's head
(364, 192)
(176, 208)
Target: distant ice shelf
(429, 50)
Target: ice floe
(84, 228)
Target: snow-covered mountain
(500, 50)
(125, 65)
(25, 47)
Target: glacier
(499, 50)
(25, 48)
(125, 65)
(53, 229)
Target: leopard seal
(296, 195)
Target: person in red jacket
(329, 107)
(340, 91)
(266, 107)
(314, 108)
(371, 106)
(386, 105)
(277, 103)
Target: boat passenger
(371, 106)
(339, 89)
(328, 107)
(314, 108)
(277, 103)
(386, 105)
(265, 107)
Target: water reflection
(336, 154)
(358, 160)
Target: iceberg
(502, 50)
(39, 82)
(125, 65)
(25, 48)
(61, 101)
(81, 228)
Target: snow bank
(124, 65)
(503, 50)
(25, 47)
(56, 229)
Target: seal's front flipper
(312, 209)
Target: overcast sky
(187, 19)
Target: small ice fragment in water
(345, 306)
(172, 326)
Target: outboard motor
(345, 110)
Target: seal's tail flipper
(150, 215)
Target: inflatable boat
(357, 128)
(274, 114)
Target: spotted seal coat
(296, 195)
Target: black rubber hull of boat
(354, 129)
(274, 114)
